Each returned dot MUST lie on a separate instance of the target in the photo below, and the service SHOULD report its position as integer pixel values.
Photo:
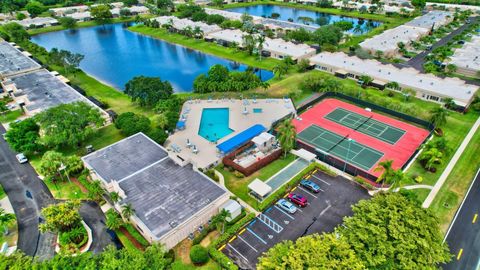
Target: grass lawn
(2, 193)
(206, 47)
(239, 185)
(455, 187)
(10, 116)
(124, 239)
(65, 190)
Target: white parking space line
(239, 237)
(298, 209)
(256, 235)
(288, 215)
(230, 246)
(320, 179)
(309, 193)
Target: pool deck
(272, 111)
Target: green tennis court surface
(358, 154)
(366, 125)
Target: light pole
(348, 153)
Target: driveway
(463, 236)
(28, 195)
(325, 210)
(418, 61)
(102, 237)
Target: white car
(21, 158)
(286, 206)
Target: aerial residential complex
(426, 86)
(467, 58)
(170, 201)
(387, 42)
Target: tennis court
(366, 125)
(344, 148)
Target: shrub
(136, 234)
(418, 179)
(198, 254)
(238, 174)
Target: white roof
(69, 9)
(263, 137)
(230, 15)
(259, 187)
(183, 23)
(388, 40)
(287, 48)
(304, 154)
(138, 9)
(455, 88)
(231, 206)
(229, 35)
(38, 21)
(455, 6)
(436, 17)
(469, 55)
(80, 15)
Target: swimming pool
(214, 124)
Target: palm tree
(220, 219)
(114, 196)
(197, 32)
(95, 191)
(113, 220)
(451, 68)
(5, 220)
(260, 41)
(431, 157)
(286, 136)
(366, 80)
(438, 117)
(408, 92)
(127, 211)
(280, 70)
(387, 171)
(378, 54)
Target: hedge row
(217, 255)
(293, 182)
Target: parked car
(297, 199)
(287, 206)
(310, 186)
(21, 158)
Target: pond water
(115, 55)
(360, 26)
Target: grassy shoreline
(205, 47)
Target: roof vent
(173, 224)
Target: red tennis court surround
(400, 151)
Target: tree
(165, 4)
(68, 22)
(130, 3)
(148, 90)
(95, 191)
(61, 217)
(24, 136)
(5, 220)
(378, 54)
(68, 124)
(390, 232)
(125, 12)
(199, 254)
(35, 8)
(249, 43)
(218, 3)
(451, 68)
(130, 123)
(311, 252)
(20, 16)
(438, 117)
(68, 60)
(127, 211)
(54, 165)
(280, 69)
(286, 136)
(113, 220)
(431, 157)
(114, 196)
(419, 4)
(366, 80)
(303, 65)
(220, 219)
(344, 25)
(101, 14)
(16, 32)
(328, 35)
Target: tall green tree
(113, 220)
(220, 219)
(101, 14)
(68, 22)
(311, 252)
(130, 123)
(127, 211)
(438, 117)
(24, 136)
(391, 232)
(35, 8)
(16, 32)
(95, 191)
(68, 124)
(286, 136)
(61, 217)
(148, 90)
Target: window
(434, 98)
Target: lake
(297, 15)
(115, 55)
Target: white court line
(230, 246)
(318, 178)
(309, 191)
(239, 237)
(288, 215)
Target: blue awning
(240, 139)
(181, 125)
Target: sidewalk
(242, 203)
(438, 185)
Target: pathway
(443, 177)
(414, 187)
(244, 204)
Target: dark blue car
(310, 185)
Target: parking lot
(325, 210)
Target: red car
(297, 199)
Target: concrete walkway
(242, 203)
(414, 187)
(428, 201)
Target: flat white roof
(79, 15)
(455, 88)
(66, 9)
(259, 187)
(389, 39)
(229, 35)
(36, 21)
(430, 19)
(469, 55)
(230, 15)
(184, 23)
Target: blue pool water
(360, 26)
(115, 55)
(214, 124)
(257, 110)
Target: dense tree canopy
(220, 79)
(68, 22)
(148, 90)
(24, 137)
(311, 252)
(35, 8)
(130, 123)
(15, 32)
(60, 217)
(328, 34)
(68, 124)
(55, 166)
(101, 13)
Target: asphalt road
(463, 236)
(324, 212)
(418, 61)
(28, 195)
(95, 219)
